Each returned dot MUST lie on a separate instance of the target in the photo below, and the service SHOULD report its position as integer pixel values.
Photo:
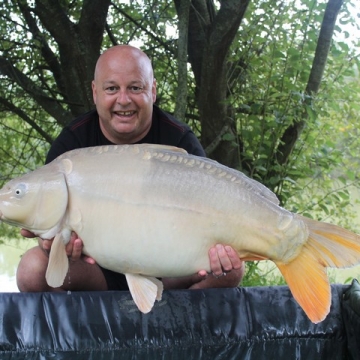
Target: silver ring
(219, 276)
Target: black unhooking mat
(244, 323)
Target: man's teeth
(124, 113)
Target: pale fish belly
(148, 241)
(170, 210)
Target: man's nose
(123, 97)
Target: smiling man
(124, 92)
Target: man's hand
(27, 233)
(74, 250)
(222, 260)
(227, 270)
(73, 247)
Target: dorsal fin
(163, 148)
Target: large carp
(151, 211)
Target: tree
(211, 34)
(46, 63)
(53, 77)
(256, 71)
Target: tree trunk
(210, 37)
(181, 94)
(71, 66)
(79, 46)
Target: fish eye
(20, 190)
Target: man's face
(124, 91)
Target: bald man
(124, 92)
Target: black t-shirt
(85, 131)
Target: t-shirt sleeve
(191, 144)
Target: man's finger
(225, 262)
(89, 260)
(27, 233)
(215, 264)
(76, 249)
(46, 244)
(234, 257)
(202, 273)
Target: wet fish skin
(152, 211)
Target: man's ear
(153, 90)
(93, 86)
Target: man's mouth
(124, 113)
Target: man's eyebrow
(137, 82)
(134, 82)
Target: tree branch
(48, 104)
(48, 55)
(14, 109)
(323, 46)
(214, 112)
(293, 132)
(199, 21)
(53, 18)
(144, 29)
(181, 93)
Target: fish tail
(328, 245)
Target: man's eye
(136, 89)
(111, 89)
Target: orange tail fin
(327, 246)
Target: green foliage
(8, 232)
(262, 274)
(25, 128)
(22, 148)
(272, 59)
(276, 47)
(326, 159)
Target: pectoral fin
(58, 262)
(144, 290)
